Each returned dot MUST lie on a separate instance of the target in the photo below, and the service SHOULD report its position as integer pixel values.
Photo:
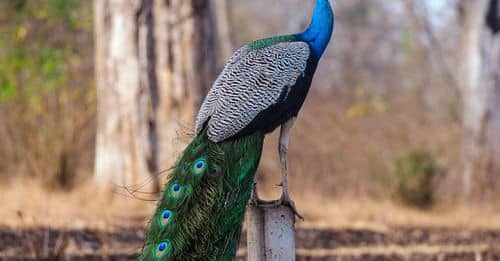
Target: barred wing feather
(250, 83)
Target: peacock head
(320, 30)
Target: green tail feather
(200, 214)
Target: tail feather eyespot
(162, 249)
(199, 166)
(165, 217)
(176, 189)
(214, 169)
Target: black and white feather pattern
(250, 83)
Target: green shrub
(47, 95)
(414, 179)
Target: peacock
(262, 87)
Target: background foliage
(46, 89)
(384, 89)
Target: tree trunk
(121, 148)
(154, 62)
(226, 42)
(480, 84)
(186, 65)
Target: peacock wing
(251, 82)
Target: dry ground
(395, 243)
(83, 225)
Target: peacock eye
(165, 217)
(176, 189)
(214, 169)
(162, 249)
(166, 214)
(199, 166)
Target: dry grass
(362, 213)
(26, 204)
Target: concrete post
(271, 233)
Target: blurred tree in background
(225, 28)
(480, 83)
(399, 76)
(46, 95)
(155, 60)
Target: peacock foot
(256, 201)
(285, 200)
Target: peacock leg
(285, 131)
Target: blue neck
(320, 30)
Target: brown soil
(396, 243)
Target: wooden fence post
(271, 233)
